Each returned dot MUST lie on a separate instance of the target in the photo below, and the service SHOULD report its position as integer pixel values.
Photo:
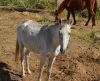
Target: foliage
(91, 35)
(29, 3)
(42, 4)
(84, 13)
(86, 37)
(98, 14)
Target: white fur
(43, 39)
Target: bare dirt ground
(80, 63)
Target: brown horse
(72, 5)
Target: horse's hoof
(74, 23)
(29, 72)
(86, 24)
(23, 75)
(93, 25)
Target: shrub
(49, 4)
(90, 36)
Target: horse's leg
(92, 12)
(89, 17)
(93, 20)
(73, 15)
(94, 7)
(93, 15)
(42, 61)
(51, 61)
(27, 55)
(68, 16)
(22, 59)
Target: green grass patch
(46, 20)
(98, 14)
(85, 36)
(90, 36)
(46, 4)
(84, 14)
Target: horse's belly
(32, 45)
(77, 8)
(79, 5)
(33, 48)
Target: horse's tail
(17, 51)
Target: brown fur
(17, 52)
(72, 5)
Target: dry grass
(81, 63)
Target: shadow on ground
(4, 73)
